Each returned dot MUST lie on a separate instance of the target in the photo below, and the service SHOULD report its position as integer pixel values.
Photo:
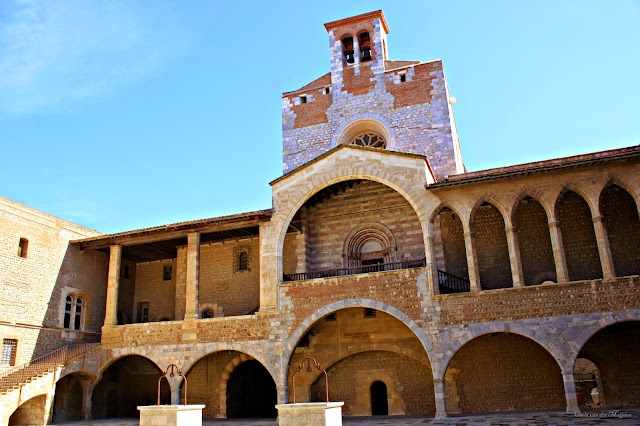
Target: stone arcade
(420, 287)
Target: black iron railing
(29, 371)
(380, 267)
(449, 284)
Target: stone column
(432, 267)
(175, 383)
(113, 282)
(562, 273)
(472, 261)
(514, 256)
(193, 277)
(602, 239)
(270, 267)
(356, 53)
(87, 389)
(441, 405)
(570, 391)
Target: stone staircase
(26, 373)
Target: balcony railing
(380, 267)
(450, 284)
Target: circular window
(370, 139)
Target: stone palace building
(421, 288)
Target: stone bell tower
(369, 100)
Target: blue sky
(133, 113)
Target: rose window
(370, 139)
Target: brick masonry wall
(579, 238)
(491, 248)
(450, 245)
(503, 372)
(542, 301)
(620, 214)
(400, 289)
(536, 253)
(416, 111)
(330, 222)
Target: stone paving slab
(621, 417)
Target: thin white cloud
(53, 52)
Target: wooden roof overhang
(162, 242)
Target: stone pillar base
(171, 415)
(310, 414)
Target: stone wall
(330, 222)
(34, 286)
(503, 372)
(409, 384)
(581, 297)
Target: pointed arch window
(73, 312)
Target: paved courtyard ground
(621, 417)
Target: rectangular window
(403, 78)
(166, 273)
(331, 317)
(143, 312)
(9, 347)
(303, 99)
(23, 247)
(126, 272)
(369, 313)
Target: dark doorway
(112, 404)
(379, 401)
(251, 392)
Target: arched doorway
(503, 372)
(588, 383)
(232, 384)
(67, 403)
(614, 351)
(379, 399)
(127, 383)
(357, 347)
(251, 392)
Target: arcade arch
(127, 383)
(503, 372)
(349, 224)
(614, 351)
(359, 346)
(232, 384)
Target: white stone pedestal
(171, 415)
(310, 414)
